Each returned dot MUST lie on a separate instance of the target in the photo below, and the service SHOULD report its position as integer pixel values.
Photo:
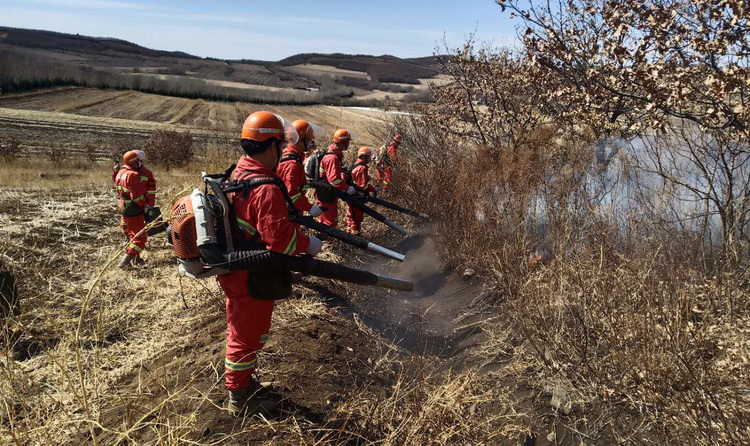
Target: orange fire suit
(291, 170)
(330, 172)
(262, 218)
(385, 162)
(148, 177)
(132, 189)
(361, 178)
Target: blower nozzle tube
(353, 240)
(395, 207)
(358, 204)
(385, 251)
(393, 225)
(264, 260)
(394, 284)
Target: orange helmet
(364, 151)
(261, 126)
(131, 158)
(341, 135)
(304, 129)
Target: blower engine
(201, 237)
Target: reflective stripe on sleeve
(245, 226)
(292, 244)
(335, 182)
(295, 197)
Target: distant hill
(381, 68)
(104, 46)
(377, 78)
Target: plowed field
(69, 117)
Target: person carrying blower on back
(132, 187)
(361, 179)
(262, 222)
(331, 173)
(386, 157)
(291, 168)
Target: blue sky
(269, 30)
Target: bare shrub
(169, 149)
(10, 149)
(89, 152)
(56, 153)
(606, 201)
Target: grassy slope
(151, 344)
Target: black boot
(126, 262)
(252, 400)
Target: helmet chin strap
(278, 154)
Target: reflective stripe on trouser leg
(248, 324)
(133, 226)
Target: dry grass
(99, 356)
(639, 329)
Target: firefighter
(291, 168)
(361, 179)
(132, 187)
(386, 158)
(331, 173)
(149, 178)
(262, 221)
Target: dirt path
(428, 320)
(441, 321)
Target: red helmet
(341, 135)
(262, 125)
(364, 151)
(131, 158)
(304, 129)
(398, 138)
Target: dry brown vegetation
(594, 182)
(98, 356)
(598, 178)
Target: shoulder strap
(223, 176)
(251, 183)
(291, 157)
